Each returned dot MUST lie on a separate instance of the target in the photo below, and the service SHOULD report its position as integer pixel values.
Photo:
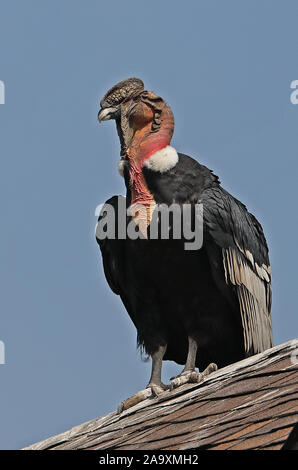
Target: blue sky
(225, 68)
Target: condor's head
(145, 125)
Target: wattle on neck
(143, 146)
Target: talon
(151, 391)
(184, 378)
(158, 389)
(120, 408)
(211, 368)
(135, 399)
(192, 376)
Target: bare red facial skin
(144, 144)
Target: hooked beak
(106, 113)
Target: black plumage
(217, 297)
(171, 293)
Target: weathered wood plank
(252, 404)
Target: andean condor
(197, 307)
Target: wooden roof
(252, 404)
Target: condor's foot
(155, 386)
(191, 376)
(151, 391)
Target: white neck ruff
(163, 160)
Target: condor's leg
(189, 374)
(155, 385)
(155, 382)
